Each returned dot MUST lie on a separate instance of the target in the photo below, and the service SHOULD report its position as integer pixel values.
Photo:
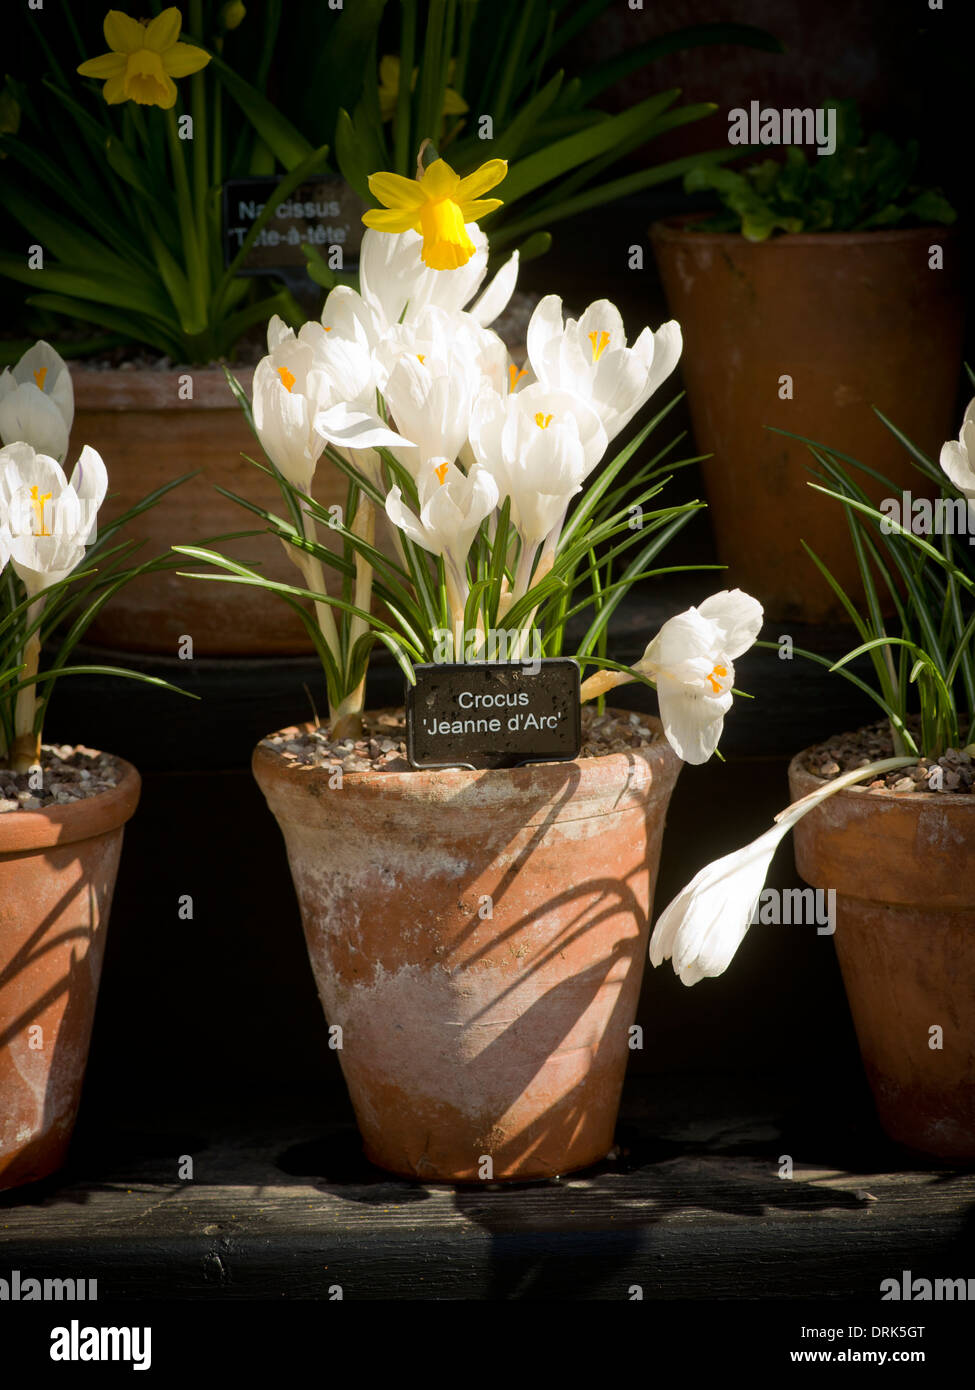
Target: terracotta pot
(857, 320)
(57, 875)
(467, 1037)
(903, 867)
(148, 436)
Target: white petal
(355, 429)
(494, 300)
(738, 615)
(692, 721)
(31, 416)
(959, 468)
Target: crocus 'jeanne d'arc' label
(494, 714)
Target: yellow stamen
(600, 342)
(39, 376)
(288, 378)
(421, 357)
(718, 671)
(441, 471)
(543, 421)
(515, 375)
(37, 502)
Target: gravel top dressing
(847, 751)
(70, 774)
(382, 747)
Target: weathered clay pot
(903, 867)
(856, 319)
(57, 875)
(467, 1037)
(148, 436)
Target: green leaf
(286, 143)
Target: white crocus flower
(590, 358)
(50, 519)
(289, 391)
(430, 378)
(397, 285)
(691, 662)
(346, 377)
(452, 506)
(958, 459)
(37, 402)
(537, 457)
(706, 923)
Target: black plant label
(492, 714)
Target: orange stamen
(441, 471)
(718, 671)
(515, 375)
(288, 378)
(39, 375)
(600, 342)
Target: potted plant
(899, 852)
(802, 302)
(126, 228)
(477, 934)
(62, 809)
(144, 257)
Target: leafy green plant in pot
(899, 852)
(477, 935)
(802, 303)
(115, 174)
(62, 809)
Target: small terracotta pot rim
(25, 831)
(680, 228)
(461, 777)
(799, 771)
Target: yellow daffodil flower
(389, 78)
(145, 58)
(437, 206)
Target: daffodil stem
(598, 684)
(187, 226)
(200, 181)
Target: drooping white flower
(958, 459)
(37, 402)
(590, 358)
(50, 519)
(452, 507)
(691, 662)
(397, 285)
(706, 923)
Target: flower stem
(25, 751)
(598, 684)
